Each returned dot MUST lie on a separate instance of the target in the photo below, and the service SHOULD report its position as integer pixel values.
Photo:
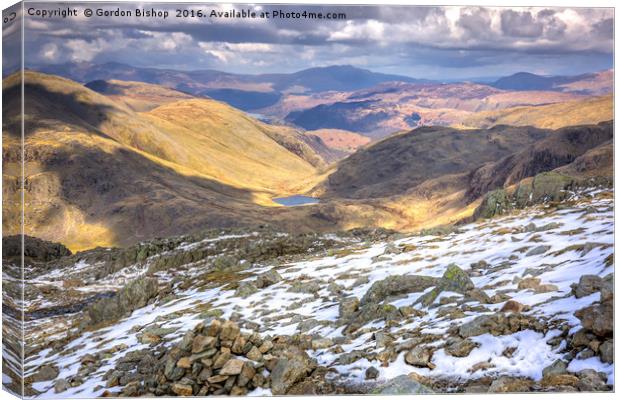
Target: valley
(331, 231)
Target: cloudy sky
(424, 42)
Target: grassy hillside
(552, 116)
(98, 173)
(138, 96)
(341, 140)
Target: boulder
(513, 307)
(371, 373)
(182, 390)
(460, 347)
(348, 307)
(558, 367)
(397, 285)
(420, 357)
(606, 351)
(268, 278)
(246, 289)
(403, 385)
(454, 279)
(136, 294)
(499, 324)
(538, 250)
(508, 384)
(291, 368)
(587, 285)
(597, 318)
(45, 372)
(592, 381)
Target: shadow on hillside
(44, 109)
(134, 197)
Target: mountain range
(272, 93)
(116, 162)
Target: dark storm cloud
(395, 38)
(520, 24)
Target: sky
(423, 42)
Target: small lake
(296, 200)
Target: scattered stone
(460, 347)
(232, 367)
(606, 351)
(322, 343)
(513, 307)
(592, 381)
(202, 343)
(182, 390)
(558, 367)
(537, 251)
(508, 384)
(420, 357)
(61, 385)
(45, 372)
(371, 373)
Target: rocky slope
(521, 302)
(404, 161)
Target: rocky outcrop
(499, 324)
(538, 160)
(34, 249)
(397, 285)
(213, 359)
(597, 320)
(132, 296)
(455, 280)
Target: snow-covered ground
(282, 308)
